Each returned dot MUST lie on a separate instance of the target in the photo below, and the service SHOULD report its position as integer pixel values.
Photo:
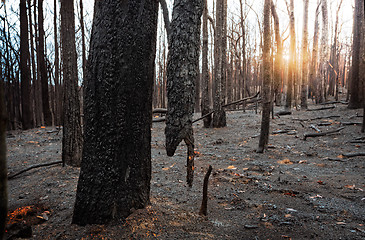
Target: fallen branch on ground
(160, 119)
(307, 135)
(159, 110)
(282, 113)
(319, 109)
(315, 128)
(358, 154)
(350, 123)
(204, 206)
(226, 105)
(33, 167)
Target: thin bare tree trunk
(205, 103)
(291, 70)
(266, 96)
(305, 57)
(42, 67)
(27, 114)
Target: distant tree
(278, 64)
(58, 98)
(356, 88)
(205, 103)
(304, 92)
(27, 114)
(42, 68)
(313, 90)
(72, 132)
(266, 96)
(323, 54)
(219, 115)
(291, 68)
(3, 168)
(116, 161)
(182, 70)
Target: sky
(346, 16)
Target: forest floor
(297, 189)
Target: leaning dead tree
(182, 70)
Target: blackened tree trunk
(182, 70)
(266, 96)
(291, 63)
(356, 85)
(323, 54)
(47, 115)
(27, 115)
(304, 92)
(116, 162)
(83, 41)
(205, 103)
(219, 116)
(72, 133)
(58, 101)
(3, 168)
(313, 91)
(278, 64)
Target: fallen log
(226, 105)
(204, 206)
(33, 167)
(320, 109)
(159, 110)
(315, 128)
(319, 134)
(282, 113)
(358, 154)
(350, 123)
(159, 119)
(330, 116)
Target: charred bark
(116, 163)
(27, 115)
(72, 133)
(182, 70)
(205, 103)
(265, 122)
(3, 168)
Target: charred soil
(297, 189)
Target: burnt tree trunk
(205, 103)
(116, 163)
(304, 92)
(3, 168)
(278, 64)
(182, 70)
(312, 90)
(291, 70)
(266, 96)
(219, 116)
(72, 133)
(27, 114)
(356, 84)
(42, 68)
(323, 54)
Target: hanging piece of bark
(33, 167)
(307, 135)
(204, 206)
(182, 71)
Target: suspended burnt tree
(182, 71)
(116, 159)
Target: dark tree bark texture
(182, 70)
(3, 168)
(356, 85)
(27, 115)
(72, 133)
(205, 103)
(219, 116)
(116, 163)
(266, 99)
(47, 115)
